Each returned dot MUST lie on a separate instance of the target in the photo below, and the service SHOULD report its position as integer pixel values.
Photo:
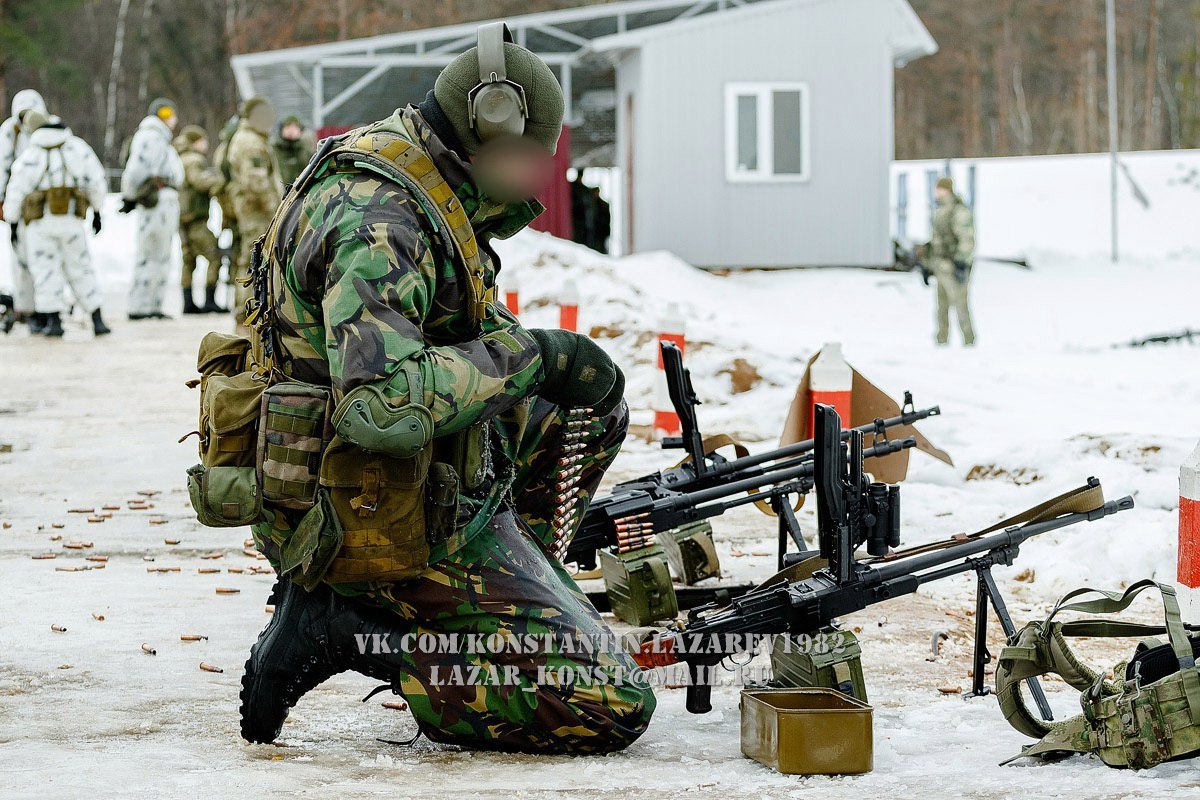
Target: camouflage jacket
(366, 286)
(200, 181)
(293, 155)
(253, 174)
(953, 231)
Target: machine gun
(707, 484)
(853, 511)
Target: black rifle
(1186, 335)
(707, 485)
(852, 512)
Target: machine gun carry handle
(684, 400)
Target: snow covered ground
(1045, 400)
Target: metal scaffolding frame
(563, 40)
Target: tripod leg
(982, 656)
(987, 585)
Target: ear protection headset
(496, 106)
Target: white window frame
(766, 129)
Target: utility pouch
(224, 487)
(82, 204)
(307, 554)
(58, 200)
(229, 409)
(379, 502)
(638, 585)
(293, 431)
(224, 497)
(146, 195)
(33, 207)
(441, 515)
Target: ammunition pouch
(313, 545)
(828, 659)
(638, 585)
(293, 432)
(1139, 719)
(224, 487)
(33, 207)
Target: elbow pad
(366, 419)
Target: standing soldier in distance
(225, 201)
(366, 293)
(952, 250)
(254, 188)
(293, 147)
(14, 138)
(150, 183)
(195, 202)
(53, 184)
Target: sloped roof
(910, 39)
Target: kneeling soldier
(465, 446)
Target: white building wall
(681, 199)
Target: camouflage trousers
(576, 691)
(951, 293)
(198, 240)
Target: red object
(1189, 542)
(1189, 521)
(325, 131)
(840, 402)
(556, 220)
(677, 338)
(512, 302)
(568, 318)
(666, 421)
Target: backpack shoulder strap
(405, 162)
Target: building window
(766, 132)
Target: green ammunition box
(691, 552)
(829, 659)
(638, 584)
(807, 731)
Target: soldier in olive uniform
(195, 200)
(952, 249)
(254, 187)
(366, 293)
(293, 147)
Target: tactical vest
(1149, 713)
(55, 200)
(394, 515)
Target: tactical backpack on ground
(1149, 714)
(369, 516)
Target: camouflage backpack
(1149, 713)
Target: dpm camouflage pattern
(367, 285)
(574, 692)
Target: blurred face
(943, 193)
(201, 146)
(515, 169)
(171, 120)
(262, 117)
(291, 131)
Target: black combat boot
(36, 322)
(98, 324)
(210, 302)
(310, 639)
(53, 326)
(189, 305)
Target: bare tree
(114, 73)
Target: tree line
(1012, 77)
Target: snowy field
(1043, 402)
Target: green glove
(577, 373)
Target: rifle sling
(1080, 500)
